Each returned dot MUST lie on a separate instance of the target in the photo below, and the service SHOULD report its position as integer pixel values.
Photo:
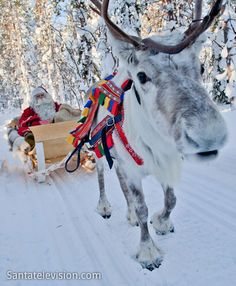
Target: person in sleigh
(42, 109)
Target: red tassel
(125, 142)
(76, 142)
(97, 151)
(110, 142)
(114, 108)
(97, 93)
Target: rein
(137, 95)
(100, 140)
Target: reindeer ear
(129, 56)
(123, 50)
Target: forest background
(63, 45)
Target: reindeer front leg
(148, 255)
(103, 207)
(161, 221)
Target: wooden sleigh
(51, 148)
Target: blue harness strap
(110, 124)
(76, 150)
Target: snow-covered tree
(15, 42)
(46, 48)
(88, 70)
(166, 15)
(47, 42)
(126, 14)
(59, 43)
(224, 55)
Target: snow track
(55, 226)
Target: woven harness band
(112, 123)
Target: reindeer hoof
(104, 208)
(106, 216)
(161, 226)
(151, 266)
(149, 256)
(133, 222)
(164, 232)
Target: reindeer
(168, 116)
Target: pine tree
(15, 61)
(224, 55)
(165, 15)
(47, 70)
(78, 64)
(59, 44)
(86, 36)
(126, 14)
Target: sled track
(215, 209)
(88, 236)
(55, 227)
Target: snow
(55, 226)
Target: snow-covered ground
(54, 227)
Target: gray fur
(176, 119)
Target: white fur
(176, 117)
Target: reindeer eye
(143, 78)
(202, 69)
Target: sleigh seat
(51, 146)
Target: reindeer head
(167, 88)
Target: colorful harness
(108, 95)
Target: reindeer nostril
(209, 153)
(191, 141)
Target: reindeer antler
(98, 4)
(115, 30)
(191, 34)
